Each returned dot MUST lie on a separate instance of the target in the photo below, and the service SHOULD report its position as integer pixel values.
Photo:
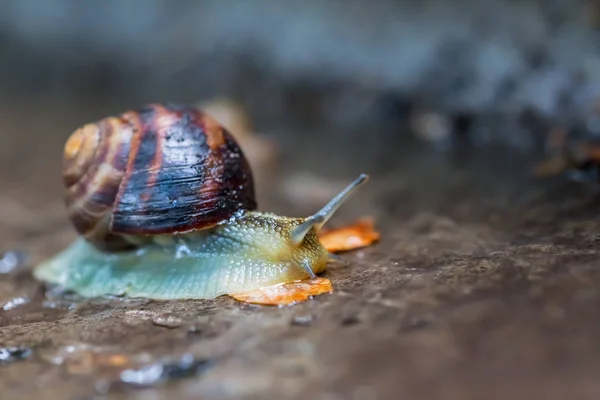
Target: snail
(163, 201)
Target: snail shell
(162, 169)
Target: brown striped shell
(163, 169)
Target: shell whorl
(157, 170)
(95, 160)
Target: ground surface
(485, 285)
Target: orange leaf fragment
(286, 293)
(360, 234)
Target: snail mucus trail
(215, 243)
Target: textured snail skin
(248, 251)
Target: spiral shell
(162, 169)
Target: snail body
(163, 201)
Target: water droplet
(167, 321)
(143, 376)
(12, 260)
(111, 368)
(10, 354)
(350, 319)
(182, 248)
(172, 199)
(303, 319)
(59, 304)
(14, 303)
(152, 374)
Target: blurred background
(310, 73)
(469, 56)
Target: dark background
(301, 65)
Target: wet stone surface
(485, 285)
